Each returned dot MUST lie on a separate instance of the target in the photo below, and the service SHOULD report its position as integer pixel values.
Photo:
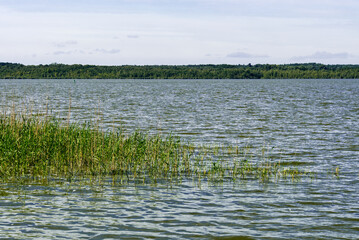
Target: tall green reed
(44, 147)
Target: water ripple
(310, 124)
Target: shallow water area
(309, 124)
(185, 210)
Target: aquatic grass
(41, 147)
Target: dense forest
(223, 71)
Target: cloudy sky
(141, 32)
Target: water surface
(311, 122)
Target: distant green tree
(258, 71)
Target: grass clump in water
(39, 147)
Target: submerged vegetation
(224, 71)
(45, 148)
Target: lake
(312, 124)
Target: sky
(179, 32)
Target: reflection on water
(311, 122)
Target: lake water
(312, 124)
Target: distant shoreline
(209, 71)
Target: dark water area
(312, 124)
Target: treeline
(223, 71)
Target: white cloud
(76, 51)
(240, 55)
(178, 32)
(133, 36)
(322, 56)
(107, 51)
(65, 43)
(245, 55)
(62, 52)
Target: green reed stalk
(44, 147)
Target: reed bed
(35, 147)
